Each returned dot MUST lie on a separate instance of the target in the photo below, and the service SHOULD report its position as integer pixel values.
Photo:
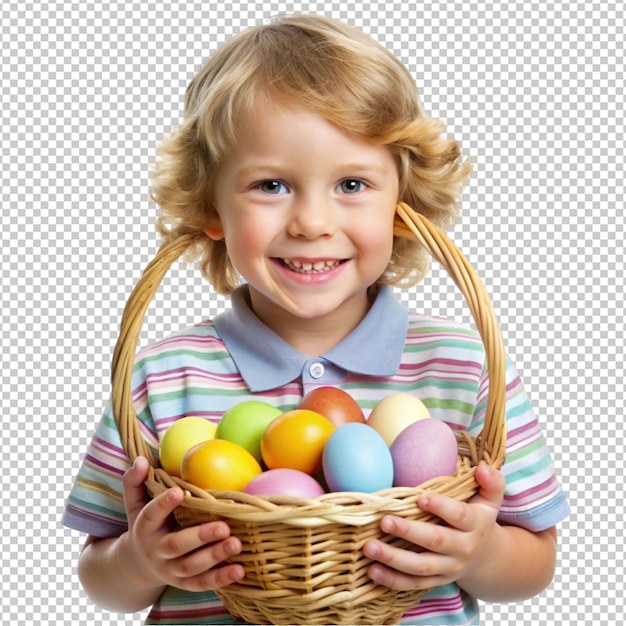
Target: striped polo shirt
(208, 368)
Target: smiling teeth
(304, 267)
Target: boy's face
(307, 215)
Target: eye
(273, 187)
(351, 185)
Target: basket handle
(413, 225)
(409, 224)
(126, 347)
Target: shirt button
(316, 370)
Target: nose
(312, 217)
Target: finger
(456, 514)
(462, 515)
(216, 578)
(202, 560)
(400, 580)
(424, 536)
(491, 484)
(394, 558)
(135, 497)
(154, 516)
(401, 569)
(181, 542)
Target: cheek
(379, 238)
(382, 244)
(245, 239)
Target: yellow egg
(219, 464)
(181, 436)
(394, 413)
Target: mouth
(311, 267)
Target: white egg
(394, 413)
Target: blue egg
(356, 458)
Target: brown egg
(334, 404)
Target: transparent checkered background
(535, 92)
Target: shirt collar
(265, 361)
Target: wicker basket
(303, 557)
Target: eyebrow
(363, 167)
(253, 170)
(356, 168)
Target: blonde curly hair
(335, 71)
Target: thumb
(491, 485)
(135, 497)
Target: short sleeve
(533, 496)
(95, 504)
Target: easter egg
(245, 424)
(394, 413)
(356, 458)
(286, 482)
(219, 464)
(334, 404)
(423, 450)
(296, 440)
(181, 436)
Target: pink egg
(424, 450)
(286, 482)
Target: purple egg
(423, 450)
(286, 482)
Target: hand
(188, 558)
(446, 552)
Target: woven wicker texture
(303, 558)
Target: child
(299, 139)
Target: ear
(214, 228)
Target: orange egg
(334, 404)
(219, 464)
(296, 440)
